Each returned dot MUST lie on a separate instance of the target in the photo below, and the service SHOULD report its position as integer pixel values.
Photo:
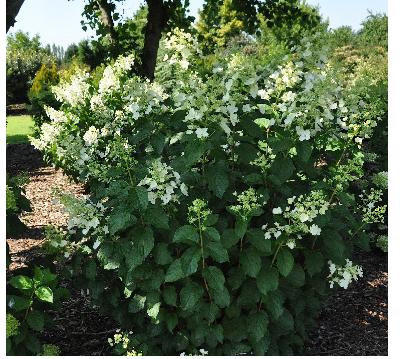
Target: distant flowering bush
(219, 210)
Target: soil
(352, 321)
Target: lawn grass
(18, 129)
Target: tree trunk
(12, 9)
(156, 21)
(106, 19)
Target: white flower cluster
(180, 46)
(74, 92)
(343, 276)
(299, 211)
(83, 214)
(91, 136)
(162, 182)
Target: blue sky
(58, 21)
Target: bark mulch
(352, 321)
(355, 321)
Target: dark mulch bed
(78, 328)
(352, 322)
(355, 321)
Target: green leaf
(240, 227)
(267, 280)
(229, 238)
(257, 239)
(334, 246)
(284, 261)
(153, 311)
(21, 282)
(43, 276)
(142, 198)
(174, 271)
(35, 320)
(161, 254)
(44, 293)
(263, 122)
(285, 321)
(120, 220)
(140, 247)
(137, 303)
(17, 303)
(156, 217)
(215, 278)
(218, 180)
(314, 262)
(282, 168)
(304, 151)
(274, 304)
(297, 276)
(186, 234)
(171, 320)
(221, 298)
(257, 325)
(190, 260)
(190, 295)
(217, 252)
(169, 295)
(213, 234)
(250, 262)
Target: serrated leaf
(171, 320)
(314, 262)
(240, 227)
(17, 303)
(267, 280)
(141, 244)
(137, 303)
(161, 254)
(284, 261)
(156, 217)
(282, 168)
(43, 276)
(229, 238)
(257, 239)
(304, 151)
(190, 295)
(35, 320)
(212, 234)
(297, 276)
(217, 252)
(274, 304)
(186, 234)
(190, 261)
(21, 282)
(250, 262)
(142, 198)
(120, 220)
(257, 325)
(170, 296)
(221, 298)
(218, 180)
(214, 277)
(174, 271)
(45, 294)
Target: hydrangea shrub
(218, 211)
